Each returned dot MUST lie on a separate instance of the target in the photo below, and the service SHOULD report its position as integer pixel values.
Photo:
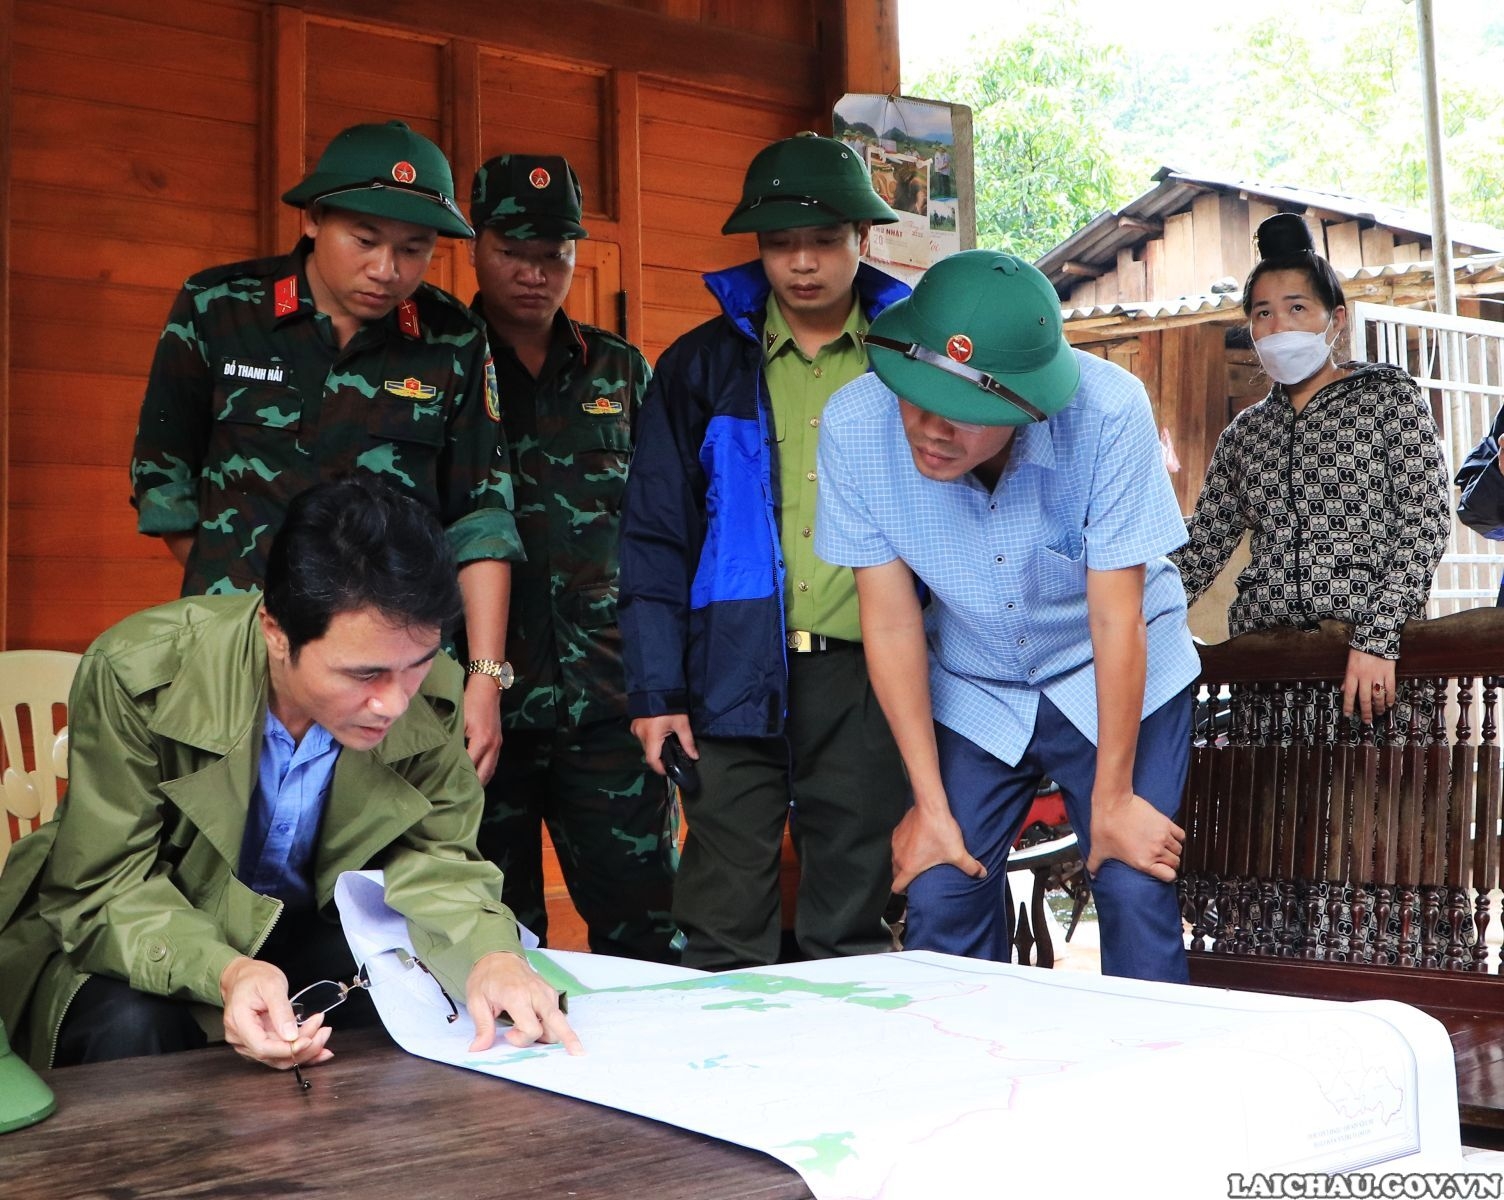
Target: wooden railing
(1350, 862)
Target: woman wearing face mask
(1339, 474)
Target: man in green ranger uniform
(274, 374)
(569, 399)
(740, 642)
(231, 756)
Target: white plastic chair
(35, 755)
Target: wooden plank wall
(151, 138)
(1213, 240)
(124, 181)
(689, 187)
(7, 25)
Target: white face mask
(1294, 355)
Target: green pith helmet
(528, 196)
(803, 181)
(980, 341)
(385, 171)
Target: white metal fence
(1459, 364)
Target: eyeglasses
(327, 994)
(967, 426)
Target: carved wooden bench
(1348, 867)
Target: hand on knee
(1138, 835)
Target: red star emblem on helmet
(958, 346)
(539, 178)
(404, 172)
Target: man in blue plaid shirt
(1022, 482)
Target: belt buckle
(800, 641)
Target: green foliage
(1354, 116)
(1327, 97)
(1041, 135)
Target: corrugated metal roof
(1157, 310)
(1097, 243)
(1473, 235)
(1478, 270)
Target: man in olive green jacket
(140, 879)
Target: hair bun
(1284, 235)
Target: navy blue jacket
(1481, 505)
(701, 565)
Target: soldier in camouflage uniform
(569, 398)
(279, 373)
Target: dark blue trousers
(1138, 917)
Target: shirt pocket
(602, 456)
(416, 422)
(253, 438)
(269, 408)
(403, 442)
(1060, 574)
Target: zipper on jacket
(57, 1029)
(63, 1016)
(765, 429)
(1300, 588)
(1303, 590)
(764, 421)
(267, 932)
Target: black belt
(801, 641)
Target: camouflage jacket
(249, 402)
(570, 433)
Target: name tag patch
(251, 371)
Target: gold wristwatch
(500, 671)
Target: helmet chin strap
(433, 195)
(913, 350)
(801, 201)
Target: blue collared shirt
(282, 827)
(1006, 567)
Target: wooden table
(377, 1123)
(1478, 1046)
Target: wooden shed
(1157, 287)
(143, 141)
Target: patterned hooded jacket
(1348, 503)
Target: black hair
(354, 544)
(1284, 243)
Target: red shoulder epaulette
(285, 296)
(407, 318)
